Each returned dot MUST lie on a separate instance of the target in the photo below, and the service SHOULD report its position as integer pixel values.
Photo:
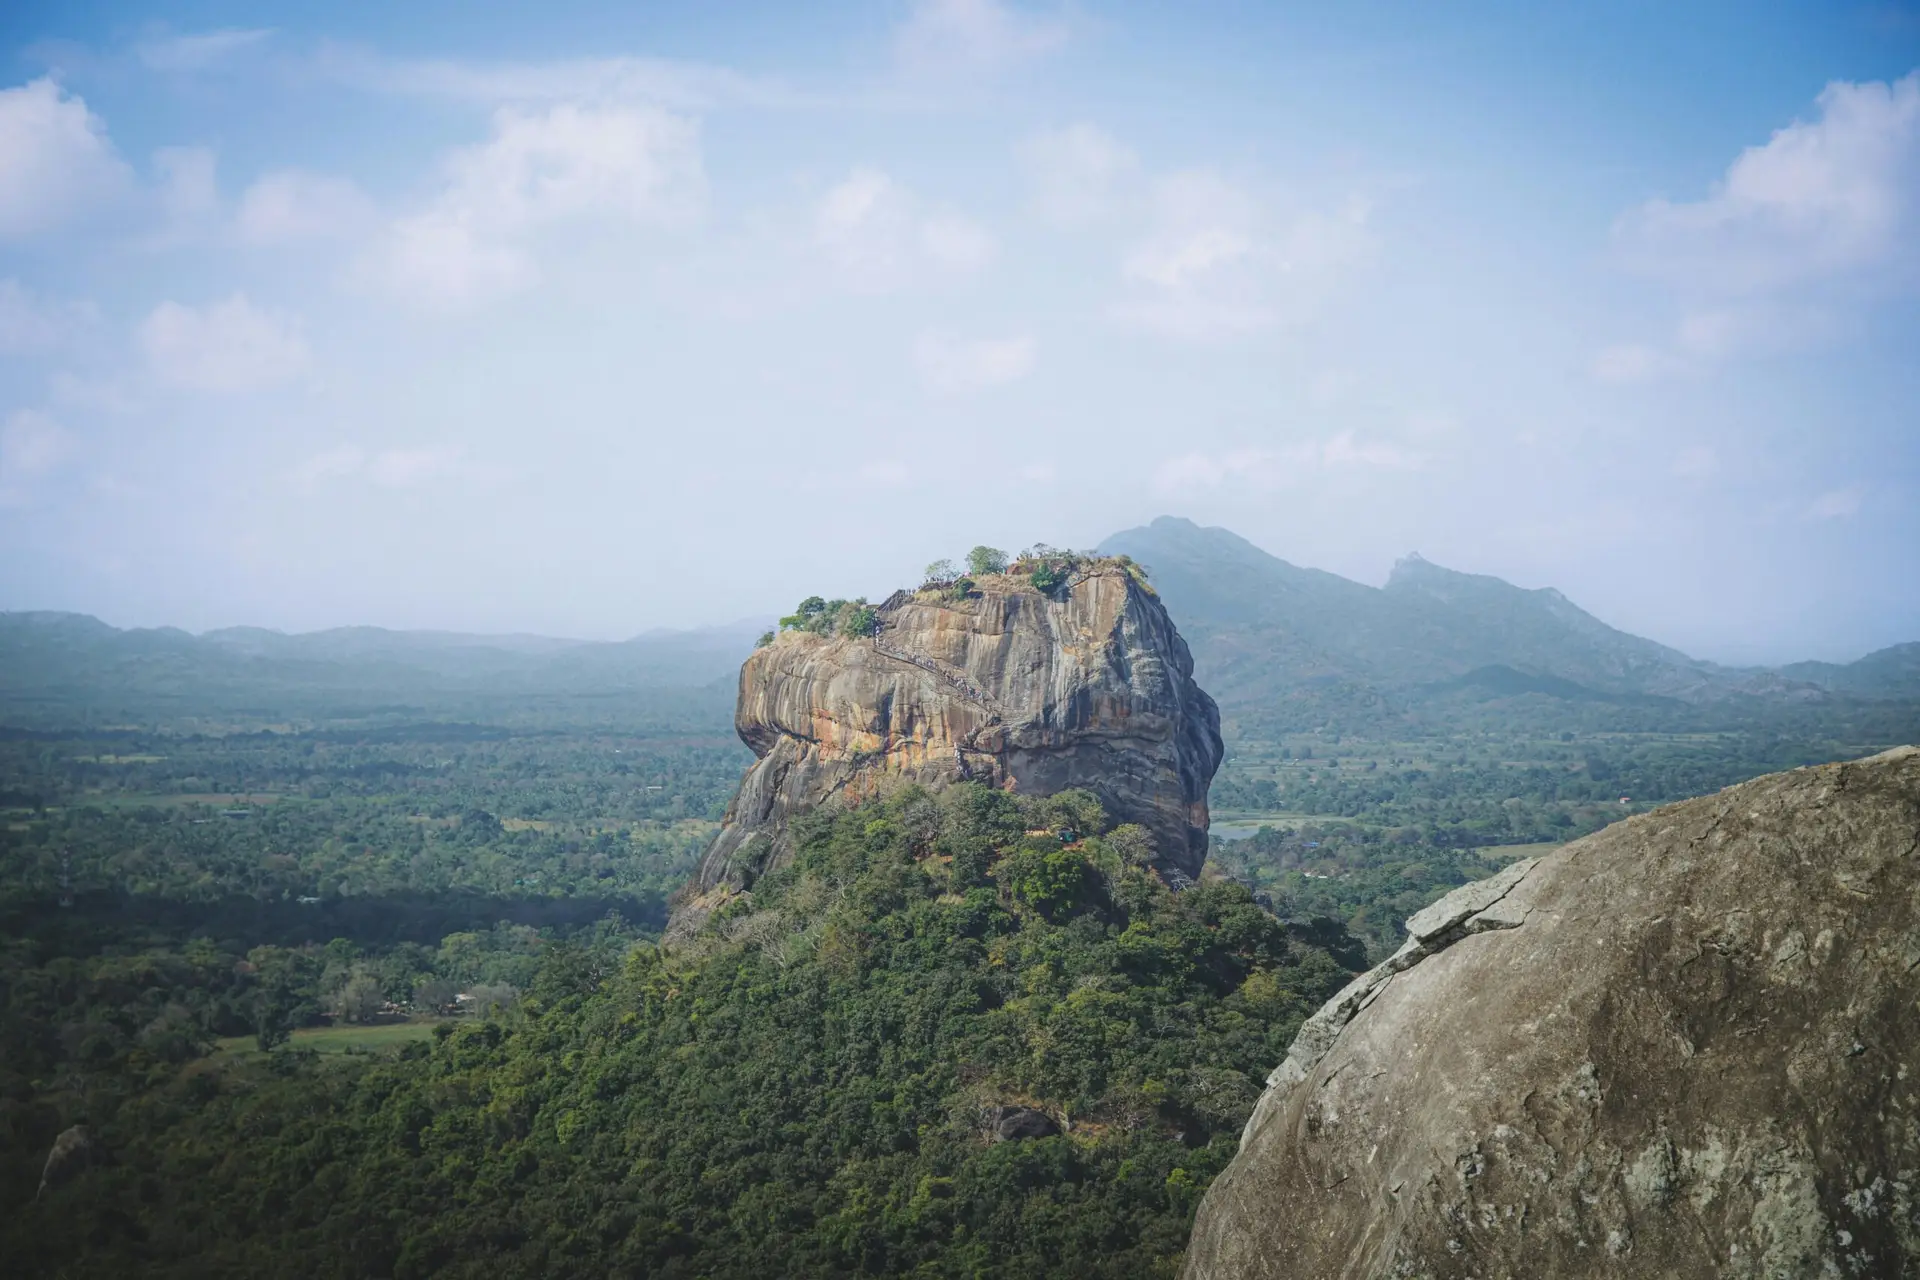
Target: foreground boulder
(1087, 685)
(1686, 1046)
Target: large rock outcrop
(1686, 1046)
(1086, 686)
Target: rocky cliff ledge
(1087, 685)
(1686, 1046)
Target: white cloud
(1181, 260)
(1199, 273)
(947, 36)
(1268, 469)
(1190, 471)
(293, 205)
(1830, 198)
(539, 170)
(1216, 264)
(863, 224)
(1078, 173)
(1343, 450)
(876, 235)
(229, 346)
(55, 159)
(1835, 504)
(29, 324)
(32, 446)
(198, 52)
(1714, 333)
(950, 365)
(571, 160)
(438, 260)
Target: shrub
(833, 617)
(807, 616)
(983, 560)
(857, 619)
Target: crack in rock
(1479, 907)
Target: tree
(283, 993)
(983, 560)
(360, 1000)
(858, 619)
(270, 1029)
(1134, 844)
(1046, 576)
(434, 994)
(940, 572)
(1048, 880)
(806, 617)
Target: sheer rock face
(1090, 687)
(1686, 1046)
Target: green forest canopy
(803, 1090)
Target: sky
(593, 318)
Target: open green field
(344, 1039)
(1238, 824)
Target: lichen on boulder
(1685, 1046)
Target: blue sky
(613, 317)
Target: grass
(338, 1040)
(1238, 825)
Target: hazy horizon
(593, 321)
(764, 617)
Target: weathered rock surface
(1016, 1124)
(1088, 686)
(71, 1154)
(1686, 1046)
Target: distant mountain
(351, 643)
(1276, 644)
(1886, 673)
(53, 663)
(1266, 632)
(655, 658)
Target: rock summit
(1087, 685)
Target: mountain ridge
(1262, 627)
(50, 659)
(1263, 631)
